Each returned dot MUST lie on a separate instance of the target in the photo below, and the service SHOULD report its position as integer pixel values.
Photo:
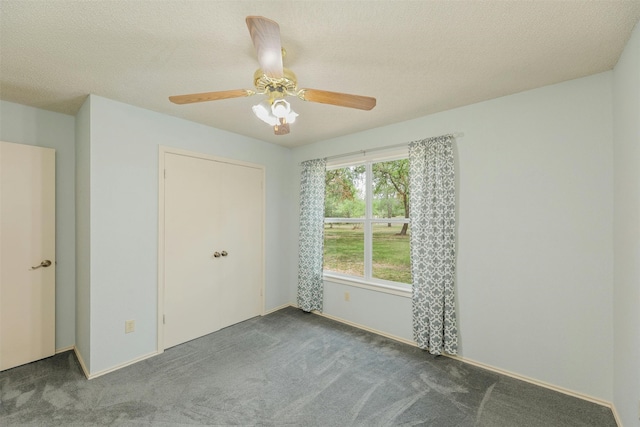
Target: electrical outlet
(347, 297)
(129, 326)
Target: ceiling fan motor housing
(276, 88)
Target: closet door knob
(224, 253)
(46, 263)
(216, 254)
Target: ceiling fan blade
(265, 35)
(210, 96)
(336, 98)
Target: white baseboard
(63, 349)
(531, 380)
(539, 383)
(273, 310)
(616, 416)
(366, 328)
(91, 376)
(81, 362)
(485, 366)
(120, 366)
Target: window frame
(368, 281)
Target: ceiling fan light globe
(263, 112)
(280, 108)
(291, 117)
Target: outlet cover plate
(129, 326)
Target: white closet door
(210, 207)
(27, 236)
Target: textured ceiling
(415, 57)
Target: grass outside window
(344, 251)
(390, 255)
(344, 248)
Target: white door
(213, 247)
(27, 254)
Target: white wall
(26, 125)
(626, 144)
(83, 234)
(123, 219)
(535, 215)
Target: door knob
(46, 263)
(224, 253)
(216, 254)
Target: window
(366, 232)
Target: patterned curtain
(433, 263)
(311, 236)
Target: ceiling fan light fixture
(263, 112)
(280, 108)
(291, 117)
(282, 128)
(277, 114)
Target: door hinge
(163, 319)
(165, 174)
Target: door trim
(162, 150)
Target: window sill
(372, 286)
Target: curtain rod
(404, 144)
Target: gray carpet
(287, 368)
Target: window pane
(391, 189)
(391, 260)
(344, 248)
(345, 193)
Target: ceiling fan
(276, 82)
